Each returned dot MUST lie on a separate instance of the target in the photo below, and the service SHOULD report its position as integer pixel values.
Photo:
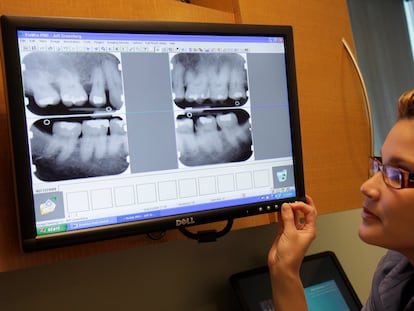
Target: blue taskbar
(114, 220)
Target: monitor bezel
(18, 136)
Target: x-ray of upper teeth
(209, 80)
(216, 136)
(69, 148)
(75, 83)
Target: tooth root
(97, 96)
(94, 140)
(117, 141)
(100, 146)
(178, 80)
(117, 144)
(64, 140)
(208, 136)
(52, 147)
(67, 149)
(114, 83)
(71, 90)
(86, 149)
(236, 85)
(219, 83)
(186, 140)
(39, 85)
(197, 86)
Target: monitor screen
(127, 127)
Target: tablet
(326, 286)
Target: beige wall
(180, 275)
(338, 232)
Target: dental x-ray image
(69, 148)
(209, 80)
(212, 137)
(211, 88)
(64, 82)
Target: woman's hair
(406, 105)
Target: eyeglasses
(396, 178)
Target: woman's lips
(367, 215)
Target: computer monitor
(126, 127)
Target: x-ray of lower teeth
(76, 83)
(209, 80)
(72, 148)
(213, 137)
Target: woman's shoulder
(391, 285)
(392, 256)
(392, 261)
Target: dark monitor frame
(19, 141)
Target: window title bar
(30, 34)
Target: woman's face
(388, 213)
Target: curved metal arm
(365, 94)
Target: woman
(387, 221)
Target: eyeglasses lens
(392, 177)
(374, 166)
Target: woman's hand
(297, 230)
(295, 234)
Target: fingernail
(285, 206)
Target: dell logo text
(184, 221)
